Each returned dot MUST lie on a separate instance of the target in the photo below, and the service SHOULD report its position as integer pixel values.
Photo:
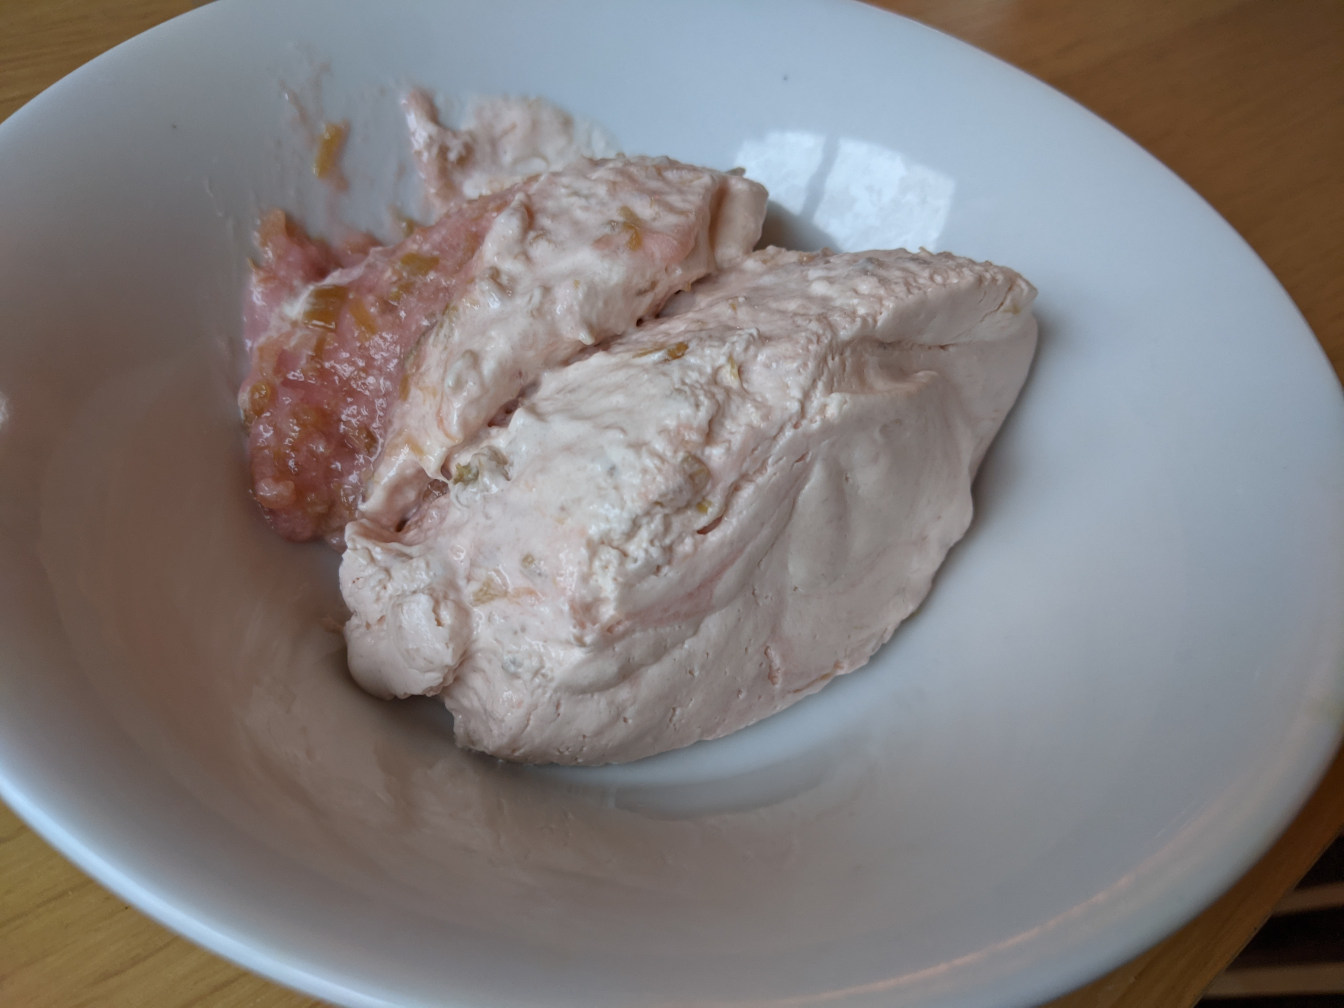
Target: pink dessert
(708, 520)
(607, 481)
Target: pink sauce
(327, 368)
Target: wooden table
(1242, 98)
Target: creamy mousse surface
(609, 482)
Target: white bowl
(1126, 680)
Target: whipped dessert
(608, 482)
(501, 140)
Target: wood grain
(1242, 98)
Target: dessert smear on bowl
(607, 479)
